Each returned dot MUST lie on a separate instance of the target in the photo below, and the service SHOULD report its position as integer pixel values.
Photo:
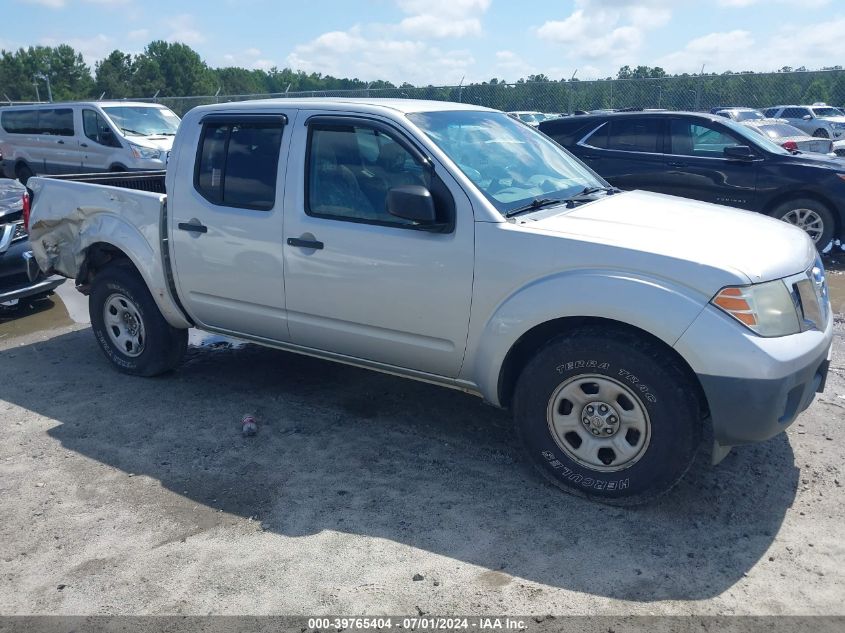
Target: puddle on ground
(68, 306)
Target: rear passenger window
(237, 163)
(56, 122)
(635, 135)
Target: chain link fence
(691, 92)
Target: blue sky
(441, 41)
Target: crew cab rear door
(225, 216)
(360, 282)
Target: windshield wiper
(588, 193)
(534, 205)
(135, 132)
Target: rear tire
(811, 216)
(23, 172)
(608, 415)
(128, 325)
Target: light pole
(49, 89)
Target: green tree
(113, 75)
(173, 69)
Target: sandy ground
(140, 496)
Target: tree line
(170, 69)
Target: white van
(85, 137)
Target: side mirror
(807, 117)
(739, 152)
(412, 202)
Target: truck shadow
(353, 451)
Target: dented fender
(68, 217)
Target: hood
(758, 247)
(833, 119)
(11, 196)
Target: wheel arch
(786, 196)
(534, 339)
(101, 254)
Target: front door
(98, 142)
(360, 282)
(226, 224)
(697, 168)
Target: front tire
(129, 327)
(608, 415)
(821, 133)
(810, 215)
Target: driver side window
(696, 139)
(352, 167)
(97, 129)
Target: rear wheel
(607, 415)
(811, 216)
(23, 172)
(129, 327)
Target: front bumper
(755, 387)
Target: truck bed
(152, 181)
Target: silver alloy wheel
(808, 220)
(599, 422)
(124, 325)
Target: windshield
(827, 112)
(512, 164)
(143, 121)
(756, 138)
(748, 115)
(779, 130)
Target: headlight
(145, 152)
(767, 309)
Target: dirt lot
(125, 495)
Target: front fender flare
(654, 305)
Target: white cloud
(741, 4)
(60, 4)
(353, 53)
(251, 58)
(610, 31)
(183, 29)
(443, 18)
(813, 46)
(138, 34)
(399, 52)
(92, 48)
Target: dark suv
(20, 276)
(710, 158)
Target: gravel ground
(368, 494)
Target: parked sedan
(817, 120)
(741, 114)
(710, 158)
(20, 277)
(530, 117)
(790, 138)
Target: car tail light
(790, 146)
(27, 208)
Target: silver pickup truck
(452, 244)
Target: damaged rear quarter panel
(68, 217)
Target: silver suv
(819, 120)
